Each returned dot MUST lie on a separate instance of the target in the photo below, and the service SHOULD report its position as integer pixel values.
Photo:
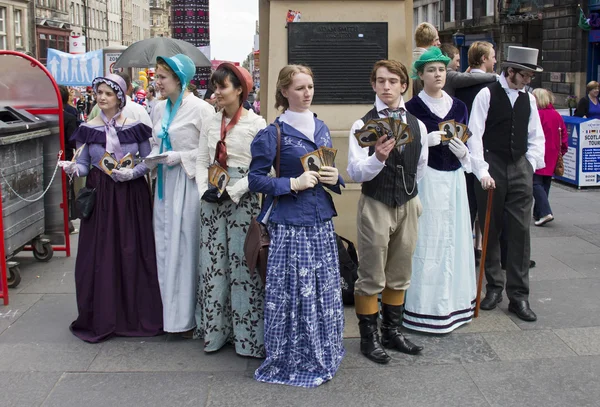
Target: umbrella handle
(486, 232)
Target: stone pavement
(497, 360)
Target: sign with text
(352, 48)
(582, 161)
(109, 62)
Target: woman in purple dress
(116, 281)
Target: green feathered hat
(433, 54)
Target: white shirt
(136, 112)
(479, 112)
(304, 122)
(238, 142)
(441, 107)
(438, 106)
(363, 167)
(185, 129)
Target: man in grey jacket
(456, 80)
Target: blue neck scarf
(165, 145)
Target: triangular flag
(584, 23)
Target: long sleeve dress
(304, 318)
(177, 214)
(230, 297)
(442, 292)
(116, 281)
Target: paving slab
(26, 389)
(527, 345)
(539, 383)
(438, 350)
(489, 321)
(559, 305)
(416, 386)
(584, 341)
(587, 265)
(130, 389)
(17, 306)
(550, 268)
(46, 357)
(47, 320)
(562, 245)
(184, 356)
(52, 283)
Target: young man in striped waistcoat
(388, 213)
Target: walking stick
(486, 232)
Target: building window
(450, 10)
(18, 29)
(469, 14)
(2, 27)
(489, 7)
(436, 15)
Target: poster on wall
(74, 70)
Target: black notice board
(341, 56)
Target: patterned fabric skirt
(304, 316)
(442, 291)
(230, 297)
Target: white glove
(237, 190)
(458, 148)
(69, 167)
(151, 164)
(434, 138)
(123, 175)
(329, 175)
(307, 180)
(487, 183)
(173, 158)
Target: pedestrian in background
(230, 296)
(555, 134)
(304, 316)
(589, 106)
(426, 35)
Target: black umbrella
(143, 53)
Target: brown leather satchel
(256, 245)
(559, 169)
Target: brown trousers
(387, 238)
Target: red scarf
(221, 150)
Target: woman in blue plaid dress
(304, 318)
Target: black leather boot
(369, 339)
(391, 337)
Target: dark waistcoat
(506, 127)
(396, 184)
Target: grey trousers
(513, 194)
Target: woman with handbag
(304, 318)
(230, 297)
(177, 122)
(116, 279)
(556, 136)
